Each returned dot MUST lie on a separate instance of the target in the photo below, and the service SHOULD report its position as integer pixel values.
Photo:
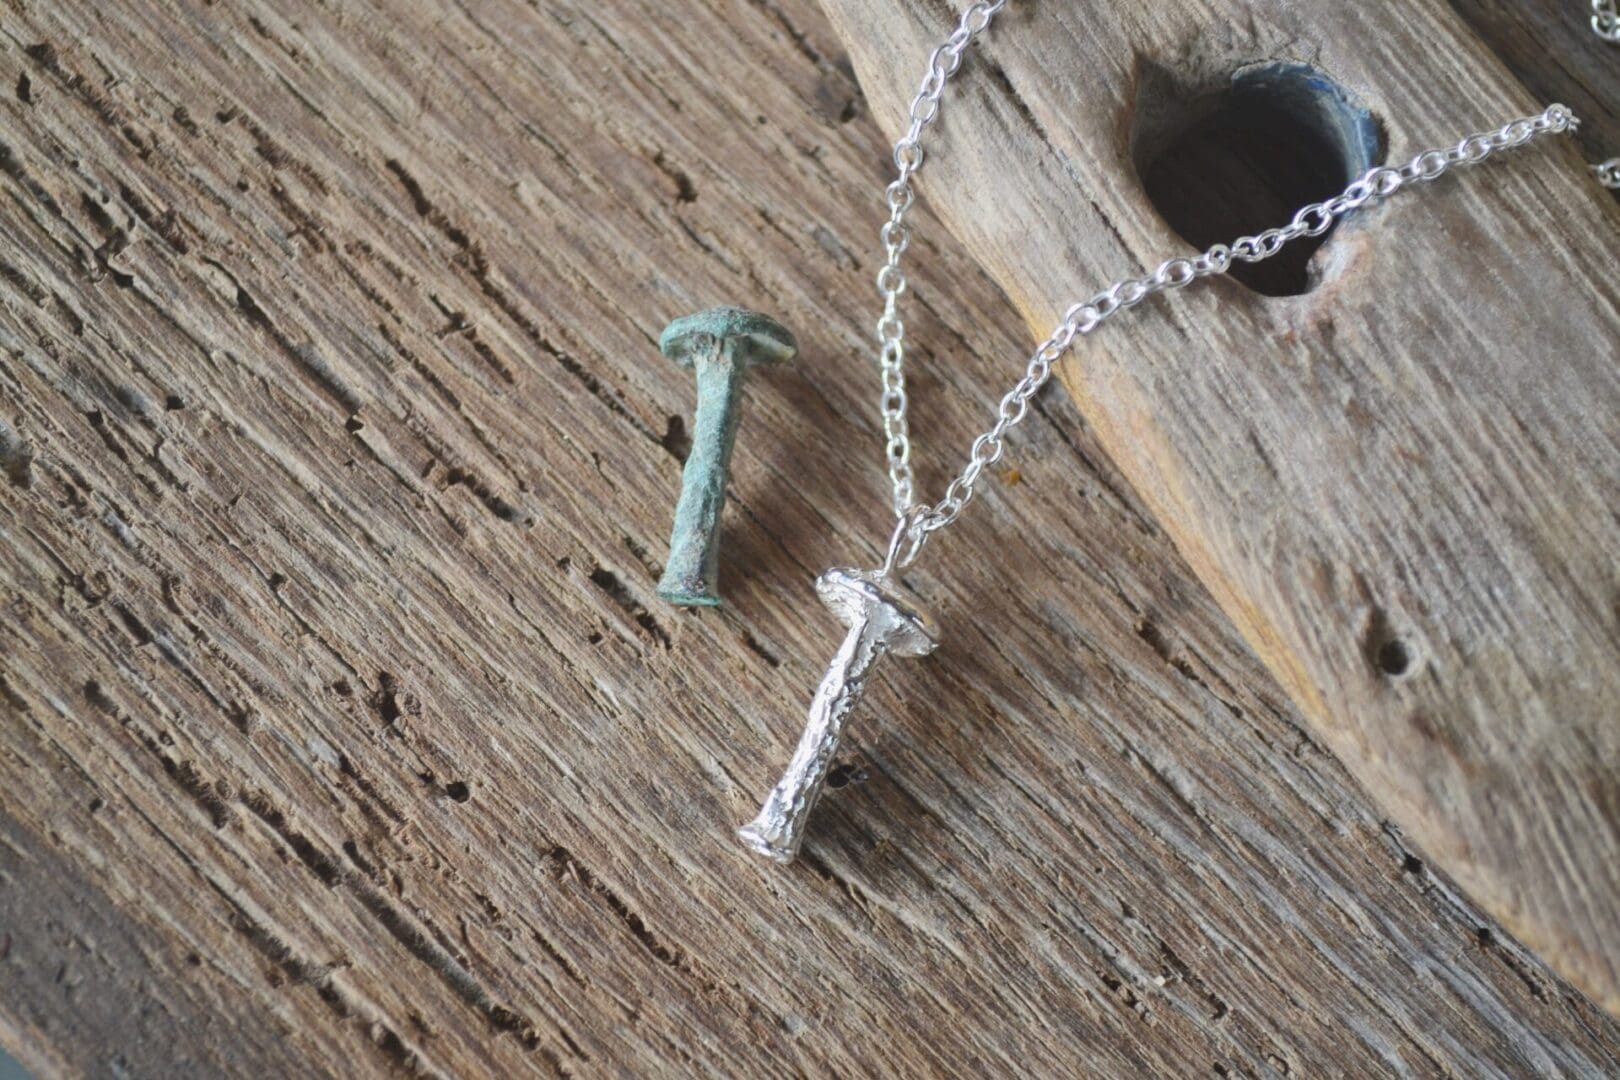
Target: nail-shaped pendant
(879, 622)
(720, 345)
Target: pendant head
(862, 595)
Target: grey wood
(341, 732)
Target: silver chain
(1606, 24)
(918, 522)
(896, 235)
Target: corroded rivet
(719, 345)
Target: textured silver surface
(878, 622)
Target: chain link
(917, 521)
(1606, 24)
(1606, 20)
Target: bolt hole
(458, 790)
(1242, 158)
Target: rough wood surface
(1399, 485)
(342, 733)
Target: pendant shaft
(779, 829)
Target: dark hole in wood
(1245, 159)
(844, 774)
(1394, 658)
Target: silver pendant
(879, 622)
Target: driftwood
(341, 731)
(1394, 465)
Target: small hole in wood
(1394, 658)
(676, 440)
(844, 774)
(458, 790)
(1242, 158)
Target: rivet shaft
(691, 574)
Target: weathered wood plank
(338, 465)
(1400, 484)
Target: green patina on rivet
(719, 345)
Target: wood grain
(1399, 485)
(342, 733)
